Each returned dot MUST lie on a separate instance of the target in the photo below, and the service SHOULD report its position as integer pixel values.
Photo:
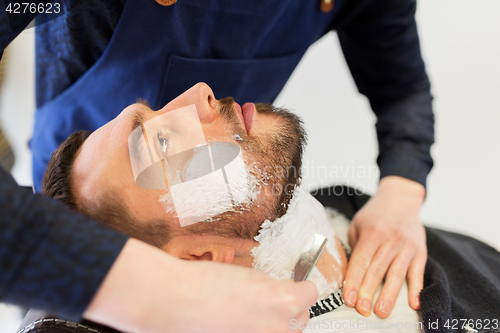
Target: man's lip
(248, 111)
(239, 111)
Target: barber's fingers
(305, 293)
(416, 278)
(357, 266)
(394, 280)
(384, 257)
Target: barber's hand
(149, 291)
(387, 237)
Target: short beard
(274, 159)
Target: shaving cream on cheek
(197, 194)
(282, 241)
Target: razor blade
(308, 258)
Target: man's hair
(57, 183)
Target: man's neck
(281, 243)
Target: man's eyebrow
(139, 117)
(143, 102)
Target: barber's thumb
(307, 294)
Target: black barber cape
(462, 274)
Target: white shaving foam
(208, 196)
(282, 241)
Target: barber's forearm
(125, 300)
(405, 130)
(51, 257)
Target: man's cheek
(215, 180)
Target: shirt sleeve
(51, 258)
(381, 47)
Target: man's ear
(200, 248)
(213, 252)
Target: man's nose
(202, 96)
(205, 101)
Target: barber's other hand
(149, 291)
(387, 237)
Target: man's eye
(163, 145)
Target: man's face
(271, 144)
